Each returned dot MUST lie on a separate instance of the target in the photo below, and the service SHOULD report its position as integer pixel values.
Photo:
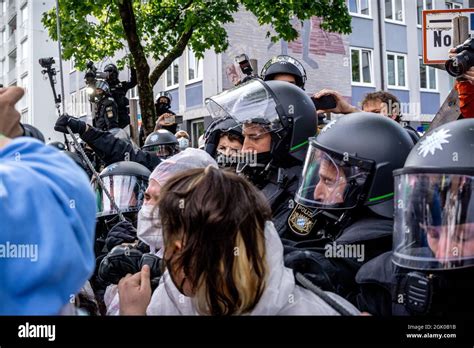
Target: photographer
(58, 235)
(118, 90)
(380, 102)
(165, 117)
(106, 114)
(164, 113)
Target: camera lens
(455, 67)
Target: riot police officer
(118, 91)
(106, 114)
(344, 211)
(162, 144)
(223, 141)
(277, 118)
(431, 268)
(284, 68)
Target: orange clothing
(466, 98)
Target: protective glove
(123, 232)
(76, 126)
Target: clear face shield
(331, 180)
(434, 221)
(251, 102)
(127, 191)
(163, 151)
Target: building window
(73, 106)
(172, 74)
(361, 65)
(428, 77)
(24, 14)
(453, 5)
(197, 129)
(396, 70)
(359, 7)
(194, 66)
(394, 11)
(422, 5)
(83, 100)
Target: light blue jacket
(47, 221)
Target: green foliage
(93, 30)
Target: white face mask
(183, 143)
(149, 227)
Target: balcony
(12, 76)
(12, 43)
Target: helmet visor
(162, 151)
(331, 180)
(127, 193)
(251, 102)
(434, 221)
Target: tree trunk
(145, 88)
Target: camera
(125, 259)
(46, 62)
(463, 61)
(244, 63)
(92, 74)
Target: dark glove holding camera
(126, 259)
(123, 232)
(76, 126)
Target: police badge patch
(301, 220)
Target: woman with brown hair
(222, 253)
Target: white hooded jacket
(282, 296)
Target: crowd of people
(284, 211)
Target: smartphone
(170, 119)
(325, 102)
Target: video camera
(125, 259)
(244, 63)
(463, 61)
(46, 62)
(92, 74)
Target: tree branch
(175, 52)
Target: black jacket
(111, 150)
(106, 114)
(118, 90)
(369, 236)
(280, 193)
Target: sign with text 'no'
(438, 33)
